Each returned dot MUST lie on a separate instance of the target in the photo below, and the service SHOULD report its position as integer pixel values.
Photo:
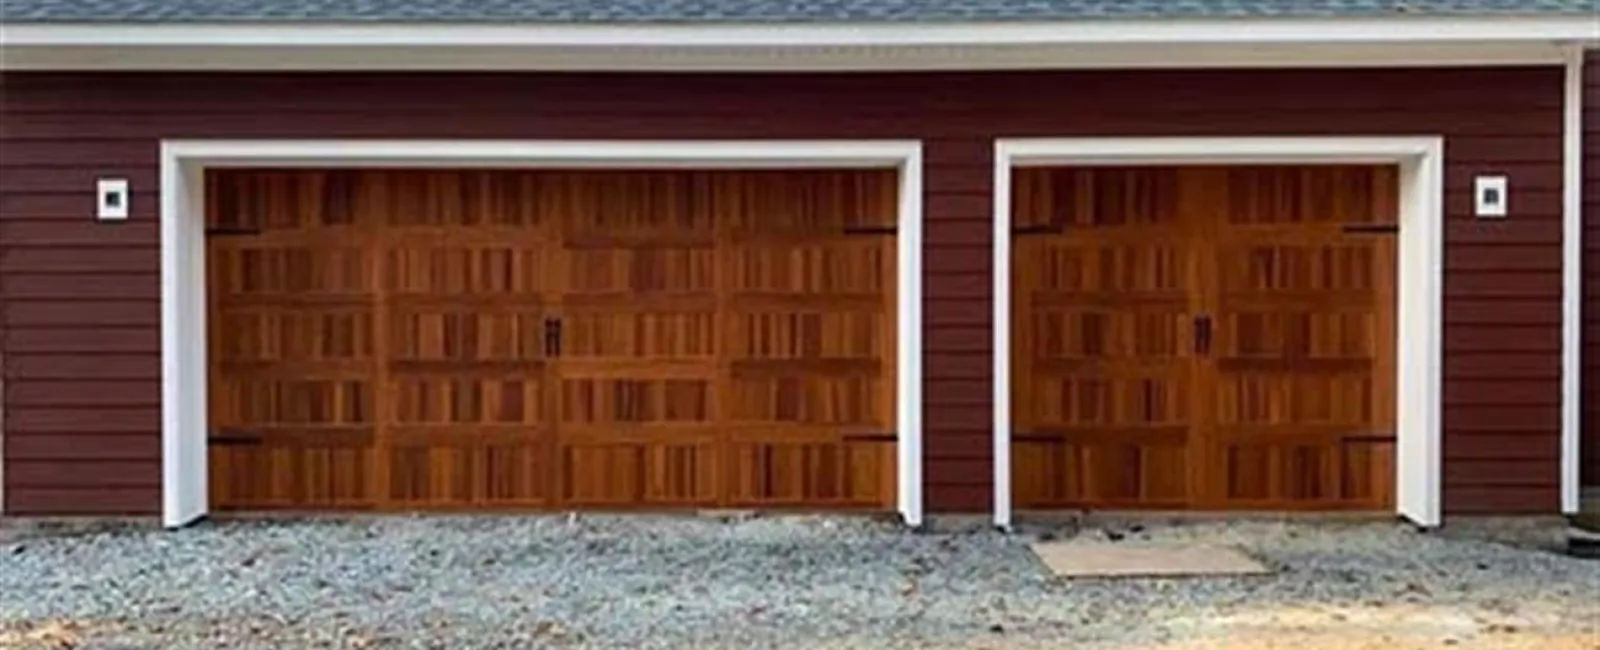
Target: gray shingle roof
(748, 11)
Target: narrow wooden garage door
(1206, 337)
(418, 339)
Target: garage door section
(1207, 337)
(410, 339)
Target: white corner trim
(908, 406)
(184, 481)
(1420, 285)
(1250, 42)
(1006, 156)
(1572, 282)
(183, 290)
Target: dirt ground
(1331, 629)
(1394, 627)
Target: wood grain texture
(425, 340)
(58, 132)
(1206, 338)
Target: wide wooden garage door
(441, 339)
(1204, 337)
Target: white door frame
(1420, 285)
(183, 282)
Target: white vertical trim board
(908, 406)
(1004, 159)
(183, 364)
(1420, 282)
(1572, 281)
(183, 291)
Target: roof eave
(1102, 43)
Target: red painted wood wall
(1589, 443)
(80, 314)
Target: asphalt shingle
(748, 11)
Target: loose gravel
(787, 582)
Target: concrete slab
(1075, 559)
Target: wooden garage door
(1204, 337)
(420, 339)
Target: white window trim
(1420, 285)
(183, 290)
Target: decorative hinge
(232, 231)
(869, 230)
(1371, 229)
(1038, 229)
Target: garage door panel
(1324, 194)
(426, 472)
(464, 335)
(466, 270)
(644, 268)
(784, 473)
(282, 200)
(1104, 282)
(274, 476)
(676, 473)
(786, 203)
(809, 400)
(1228, 309)
(592, 339)
(1112, 473)
(838, 265)
(1103, 466)
(1304, 334)
(1296, 399)
(584, 338)
(268, 333)
(443, 198)
(1149, 333)
(1124, 399)
(1140, 469)
(456, 399)
(293, 400)
(1367, 471)
(1124, 196)
(815, 335)
(262, 271)
(602, 475)
(1271, 475)
(627, 401)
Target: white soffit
(888, 46)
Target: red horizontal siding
(1589, 443)
(67, 277)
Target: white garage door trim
(1420, 284)
(183, 289)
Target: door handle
(1202, 334)
(552, 337)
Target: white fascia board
(775, 59)
(1083, 32)
(1143, 44)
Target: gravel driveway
(658, 582)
